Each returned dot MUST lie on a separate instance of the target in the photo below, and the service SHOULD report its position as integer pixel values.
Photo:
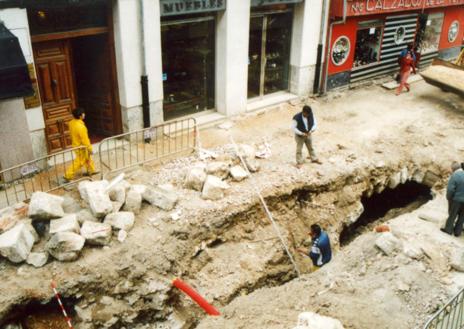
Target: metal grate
(134, 148)
(450, 316)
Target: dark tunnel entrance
(386, 205)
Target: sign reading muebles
(179, 7)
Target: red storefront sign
(370, 7)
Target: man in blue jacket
(320, 252)
(455, 196)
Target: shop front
(269, 48)
(188, 56)
(368, 44)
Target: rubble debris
(16, 243)
(65, 246)
(118, 193)
(162, 196)
(195, 178)
(122, 235)
(214, 188)
(9, 217)
(140, 188)
(70, 205)
(412, 251)
(98, 234)
(246, 151)
(238, 173)
(264, 151)
(387, 242)
(218, 168)
(68, 223)
(133, 201)
(85, 216)
(252, 165)
(310, 320)
(123, 220)
(45, 206)
(37, 259)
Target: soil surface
(228, 250)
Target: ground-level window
(368, 41)
(188, 65)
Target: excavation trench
(224, 256)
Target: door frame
(109, 31)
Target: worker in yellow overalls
(80, 137)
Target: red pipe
(179, 284)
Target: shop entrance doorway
(269, 53)
(428, 37)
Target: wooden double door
(71, 73)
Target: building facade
(193, 58)
(366, 36)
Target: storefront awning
(257, 3)
(14, 75)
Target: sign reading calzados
(365, 7)
(179, 7)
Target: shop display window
(368, 41)
(188, 66)
(453, 31)
(269, 53)
(428, 36)
(340, 50)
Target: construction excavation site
(112, 247)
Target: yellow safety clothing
(80, 137)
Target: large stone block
(45, 206)
(10, 216)
(98, 234)
(388, 243)
(162, 196)
(133, 201)
(218, 168)
(123, 220)
(68, 223)
(214, 188)
(97, 197)
(37, 259)
(85, 215)
(195, 178)
(65, 246)
(16, 244)
(238, 173)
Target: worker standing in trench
(320, 251)
(455, 196)
(80, 137)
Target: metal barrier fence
(43, 174)
(450, 316)
(134, 148)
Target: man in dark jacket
(455, 196)
(320, 252)
(303, 125)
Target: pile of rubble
(62, 226)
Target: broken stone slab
(85, 216)
(96, 196)
(16, 243)
(162, 196)
(246, 151)
(123, 220)
(97, 234)
(45, 206)
(394, 180)
(404, 175)
(412, 251)
(70, 205)
(133, 201)
(214, 188)
(10, 216)
(238, 173)
(252, 165)
(118, 193)
(387, 243)
(310, 320)
(65, 246)
(432, 216)
(457, 260)
(68, 223)
(418, 176)
(37, 259)
(218, 168)
(122, 235)
(195, 178)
